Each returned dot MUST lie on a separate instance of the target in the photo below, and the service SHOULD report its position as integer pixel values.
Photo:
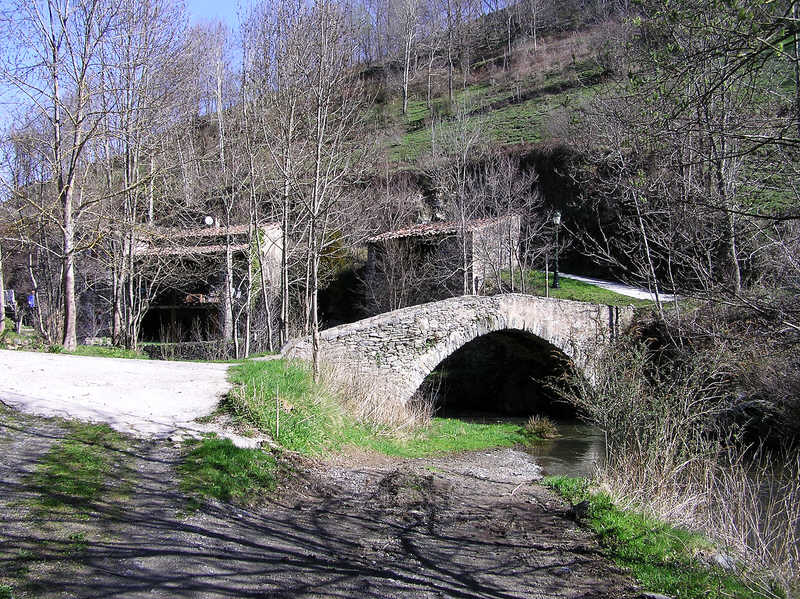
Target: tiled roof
(177, 233)
(189, 250)
(436, 229)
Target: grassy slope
(507, 108)
(306, 419)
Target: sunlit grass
(306, 418)
(106, 351)
(571, 289)
(661, 557)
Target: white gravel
(148, 398)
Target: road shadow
(393, 532)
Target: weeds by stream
(674, 453)
(663, 558)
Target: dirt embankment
(474, 525)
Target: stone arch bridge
(394, 352)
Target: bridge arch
(503, 372)
(394, 352)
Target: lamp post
(557, 223)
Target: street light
(557, 223)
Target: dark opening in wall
(508, 372)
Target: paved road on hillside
(141, 397)
(621, 288)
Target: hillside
(515, 107)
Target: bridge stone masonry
(394, 352)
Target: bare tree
(332, 118)
(461, 144)
(52, 58)
(2, 293)
(409, 16)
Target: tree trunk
(69, 338)
(2, 296)
(406, 69)
(227, 303)
(795, 17)
(650, 266)
(284, 330)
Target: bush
(542, 427)
(671, 453)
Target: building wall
(411, 270)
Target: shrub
(542, 427)
(671, 454)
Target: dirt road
(141, 397)
(468, 526)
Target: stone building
(193, 305)
(436, 260)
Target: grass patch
(216, 468)
(301, 419)
(105, 351)
(570, 289)
(75, 471)
(661, 557)
(448, 435)
(307, 419)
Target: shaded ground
(472, 525)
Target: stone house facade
(193, 306)
(436, 260)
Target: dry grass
(669, 455)
(542, 427)
(370, 403)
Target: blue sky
(207, 10)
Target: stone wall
(395, 351)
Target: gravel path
(468, 526)
(140, 397)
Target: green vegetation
(448, 435)
(77, 469)
(663, 559)
(570, 289)
(308, 419)
(511, 112)
(217, 468)
(28, 339)
(299, 417)
(107, 351)
(6, 592)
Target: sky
(207, 10)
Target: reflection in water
(576, 452)
(579, 448)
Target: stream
(576, 452)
